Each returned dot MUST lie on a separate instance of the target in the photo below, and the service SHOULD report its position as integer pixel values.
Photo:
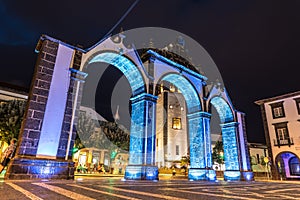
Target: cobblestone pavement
(115, 188)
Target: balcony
(285, 142)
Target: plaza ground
(109, 186)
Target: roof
(169, 55)
(9, 92)
(284, 96)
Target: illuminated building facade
(281, 117)
(171, 128)
(49, 127)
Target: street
(168, 188)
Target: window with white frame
(282, 134)
(277, 110)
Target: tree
(100, 134)
(11, 116)
(217, 154)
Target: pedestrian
(173, 171)
(8, 154)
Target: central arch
(198, 129)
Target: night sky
(255, 44)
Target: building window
(282, 135)
(294, 165)
(176, 123)
(277, 110)
(177, 150)
(297, 100)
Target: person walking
(8, 154)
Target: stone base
(231, 175)
(247, 176)
(36, 168)
(196, 174)
(141, 172)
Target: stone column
(244, 155)
(45, 133)
(142, 139)
(200, 147)
(231, 152)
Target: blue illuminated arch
(223, 109)
(127, 67)
(187, 90)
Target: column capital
(145, 97)
(78, 75)
(229, 124)
(199, 114)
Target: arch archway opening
(287, 165)
(229, 138)
(129, 71)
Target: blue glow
(223, 109)
(196, 134)
(248, 176)
(187, 90)
(230, 147)
(211, 175)
(232, 175)
(139, 172)
(137, 131)
(131, 72)
(197, 174)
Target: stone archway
(49, 128)
(198, 129)
(232, 122)
(287, 165)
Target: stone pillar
(142, 139)
(200, 147)
(45, 132)
(210, 173)
(244, 155)
(231, 152)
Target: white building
(281, 119)
(171, 128)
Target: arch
(187, 89)
(125, 65)
(197, 131)
(288, 165)
(223, 109)
(229, 137)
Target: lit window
(177, 150)
(176, 123)
(277, 110)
